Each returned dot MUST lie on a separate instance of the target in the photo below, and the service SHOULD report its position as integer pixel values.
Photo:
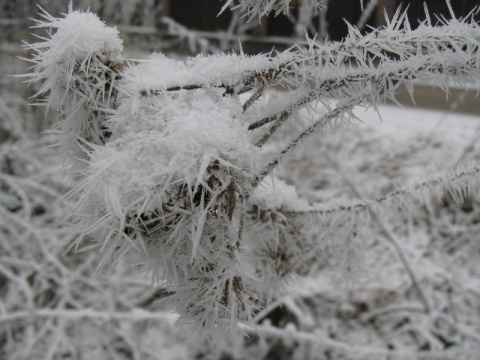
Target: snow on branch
(374, 65)
(235, 73)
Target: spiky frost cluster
(79, 67)
(177, 209)
(172, 182)
(164, 189)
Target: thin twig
(335, 113)
(388, 234)
(285, 112)
(254, 97)
(272, 130)
(367, 204)
(75, 315)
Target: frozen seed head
(76, 41)
(78, 36)
(78, 64)
(162, 193)
(170, 168)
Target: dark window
(338, 12)
(200, 14)
(279, 25)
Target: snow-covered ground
(453, 125)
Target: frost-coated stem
(291, 333)
(251, 100)
(285, 112)
(455, 183)
(281, 120)
(388, 234)
(75, 315)
(401, 255)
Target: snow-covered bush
(177, 159)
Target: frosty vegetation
(254, 8)
(176, 167)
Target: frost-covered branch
(374, 65)
(456, 184)
(294, 232)
(389, 235)
(391, 55)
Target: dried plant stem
(281, 120)
(286, 112)
(339, 110)
(75, 315)
(402, 257)
(244, 201)
(251, 100)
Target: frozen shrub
(175, 176)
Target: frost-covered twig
(290, 335)
(387, 232)
(75, 315)
(336, 113)
(457, 184)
